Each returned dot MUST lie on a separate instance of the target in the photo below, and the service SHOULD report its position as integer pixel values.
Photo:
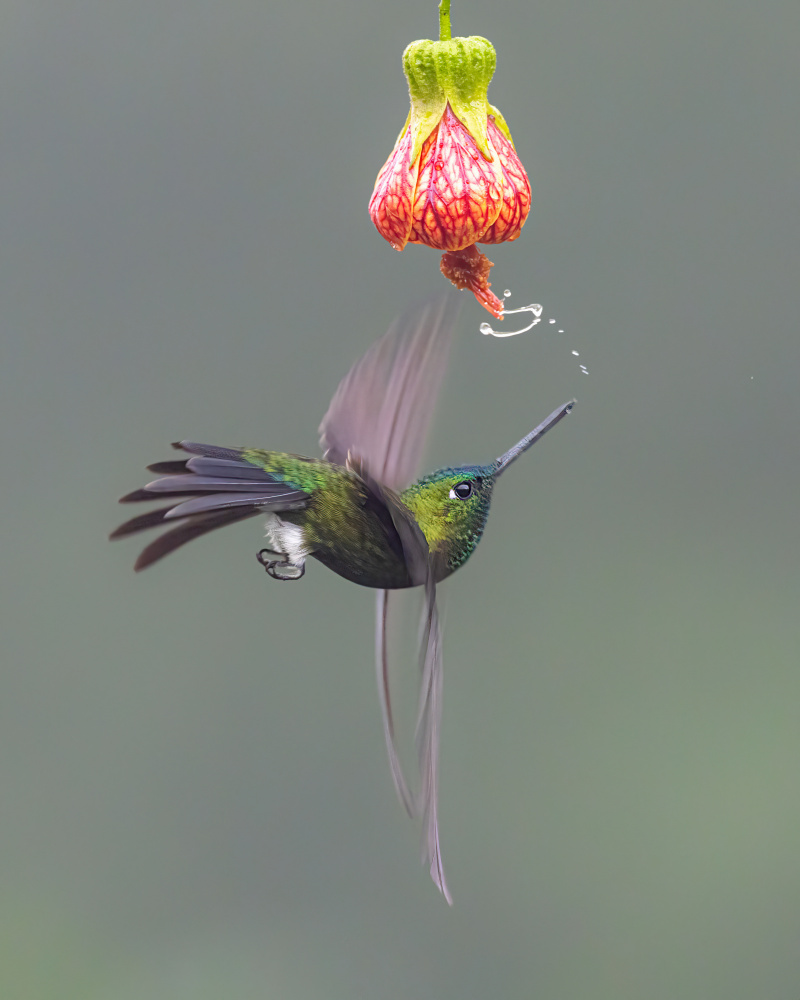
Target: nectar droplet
(534, 308)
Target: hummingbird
(358, 510)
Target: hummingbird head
(452, 505)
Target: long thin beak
(512, 454)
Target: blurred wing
(383, 407)
(428, 728)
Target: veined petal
(516, 191)
(459, 193)
(392, 201)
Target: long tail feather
(428, 728)
(384, 693)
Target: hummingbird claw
(290, 571)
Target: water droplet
(577, 355)
(551, 321)
(535, 309)
(560, 331)
(584, 370)
(506, 293)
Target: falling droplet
(551, 321)
(577, 355)
(535, 309)
(560, 331)
(584, 370)
(507, 293)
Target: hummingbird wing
(220, 486)
(383, 406)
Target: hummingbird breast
(348, 530)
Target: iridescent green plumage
(353, 510)
(453, 526)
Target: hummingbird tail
(384, 693)
(219, 486)
(428, 727)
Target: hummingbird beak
(502, 463)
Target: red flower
(454, 178)
(451, 196)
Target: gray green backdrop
(194, 796)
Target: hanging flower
(454, 178)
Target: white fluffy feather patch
(288, 538)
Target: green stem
(444, 21)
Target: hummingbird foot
(279, 566)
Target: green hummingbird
(354, 511)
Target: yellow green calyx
(457, 71)
(500, 122)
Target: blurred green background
(194, 795)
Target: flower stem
(444, 21)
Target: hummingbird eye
(461, 491)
